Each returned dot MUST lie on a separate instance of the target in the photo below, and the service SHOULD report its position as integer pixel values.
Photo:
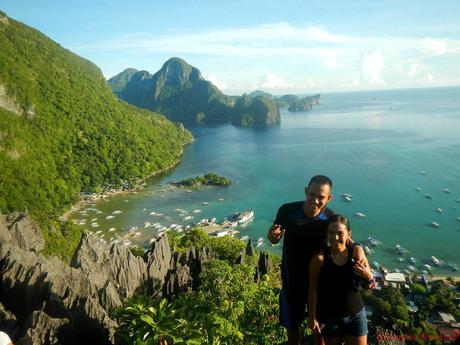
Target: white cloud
(372, 66)
(310, 51)
(215, 80)
(414, 69)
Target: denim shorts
(354, 325)
(291, 314)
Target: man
(304, 226)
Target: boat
(110, 217)
(221, 199)
(242, 217)
(423, 172)
(368, 251)
(435, 261)
(360, 215)
(428, 196)
(197, 211)
(428, 267)
(347, 198)
(411, 268)
(205, 203)
(412, 259)
(373, 242)
(439, 209)
(446, 190)
(260, 242)
(117, 212)
(418, 189)
(453, 266)
(458, 218)
(111, 229)
(244, 238)
(435, 225)
(401, 259)
(375, 264)
(400, 250)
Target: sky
(289, 46)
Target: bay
(372, 144)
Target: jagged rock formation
(44, 301)
(179, 91)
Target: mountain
(179, 91)
(258, 93)
(293, 102)
(63, 131)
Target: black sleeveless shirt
(337, 293)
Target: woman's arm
(316, 264)
(362, 267)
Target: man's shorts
(355, 325)
(291, 315)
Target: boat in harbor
(446, 190)
(427, 267)
(242, 217)
(360, 215)
(373, 242)
(435, 261)
(428, 196)
(347, 197)
(435, 225)
(439, 209)
(400, 250)
(412, 259)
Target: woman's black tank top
(337, 293)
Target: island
(209, 179)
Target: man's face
(318, 195)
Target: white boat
(368, 251)
(423, 172)
(204, 203)
(110, 217)
(117, 212)
(400, 250)
(243, 217)
(446, 190)
(428, 196)
(188, 218)
(375, 264)
(197, 211)
(347, 195)
(373, 242)
(428, 267)
(435, 225)
(111, 229)
(412, 259)
(347, 198)
(439, 209)
(411, 268)
(418, 189)
(435, 261)
(360, 215)
(221, 199)
(401, 259)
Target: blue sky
(278, 46)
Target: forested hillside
(63, 131)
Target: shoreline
(103, 195)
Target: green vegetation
(209, 179)
(390, 310)
(179, 91)
(227, 308)
(67, 133)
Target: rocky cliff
(44, 301)
(179, 91)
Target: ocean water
(372, 144)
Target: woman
(336, 309)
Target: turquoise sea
(374, 145)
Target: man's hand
(274, 233)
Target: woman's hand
(314, 326)
(363, 270)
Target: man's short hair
(320, 179)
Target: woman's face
(337, 234)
